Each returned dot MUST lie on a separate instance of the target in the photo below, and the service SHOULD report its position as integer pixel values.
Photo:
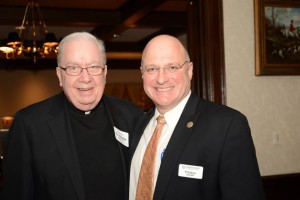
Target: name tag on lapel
(122, 137)
(190, 171)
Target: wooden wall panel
(206, 47)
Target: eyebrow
(77, 64)
(169, 63)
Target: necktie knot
(161, 119)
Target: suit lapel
(176, 145)
(61, 130)
(112, 114)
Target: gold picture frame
(277, 37)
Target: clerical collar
(87, 112)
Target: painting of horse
(282, 35)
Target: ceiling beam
(88, 17)
(163, 19)
(130, 13)
(62, 17)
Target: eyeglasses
(76, 70)
(170, 69)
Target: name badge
(190, 171)
(122, 137)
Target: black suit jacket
(40, 160)
(220, 142)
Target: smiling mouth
(84, 89)
(164, 89)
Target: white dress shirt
(171, 118)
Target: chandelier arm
(33, 24)
(22, 27)
(41, 19)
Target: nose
(85, 76)
(162, 76)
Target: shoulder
(198, 105)
(120, 104)
(122, 110)
(124, 113)
(50, 104)
(217, 111)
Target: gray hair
(76, 35)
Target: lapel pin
(189, 124)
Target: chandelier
(32, 39)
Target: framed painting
(277, 37)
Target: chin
(85, 107)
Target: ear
(105, 71)
(190, 70)
(141, 69)
(59, 76)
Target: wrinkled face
(84, 91)
(165, 87)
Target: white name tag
(122, 137)
(190, 171)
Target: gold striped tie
(145, 182)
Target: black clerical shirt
(98, 154)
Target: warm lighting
(32, 39)
(6, 122)
(8, 51)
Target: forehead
(80, 45)
(80, 50)
(164, 51)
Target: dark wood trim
(282, 187)
(206, 47)
(62, 16)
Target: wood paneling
(206, 47)
(282, 187)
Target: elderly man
(73, 145)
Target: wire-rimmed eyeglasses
(77, 70)
(152, 69)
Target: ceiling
(124, 25)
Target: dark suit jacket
(220, 142)
(40, 160)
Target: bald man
(205, 150)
